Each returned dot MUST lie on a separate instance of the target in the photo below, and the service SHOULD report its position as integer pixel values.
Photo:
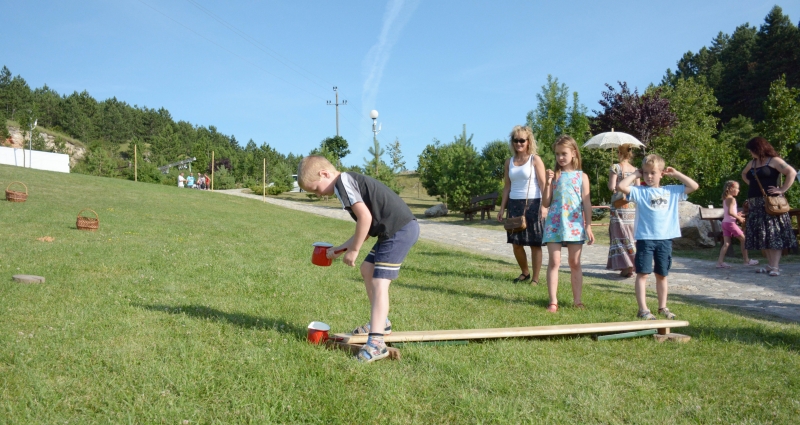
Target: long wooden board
(585, 328)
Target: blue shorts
(388, 255)
(649, 252)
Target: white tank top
(520, 178)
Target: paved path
(738, 286)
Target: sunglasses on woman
(520, 141)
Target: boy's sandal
(552, 308)
(522, 278)
(751, 263)
(646, 315)
(666, 313)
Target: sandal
(552, 308)
(763, 270)
(534, 282)
(646, 315)
(666, 313)
(774, 272)
(723, 266)
(751, 263)
(522, 278)
(579, 306)
(365, 329)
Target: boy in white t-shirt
(655, 226)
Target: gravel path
(738, 286)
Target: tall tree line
(107, 127)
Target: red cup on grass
(320, 255)
(318, 332)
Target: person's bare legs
(641, 296)
(522, 259)
(553, 263)
(378, 294)
(773, 258)
(745, 257)
(661, 291)
(536, 263)
(575, 271)
(726, 243)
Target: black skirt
(764, 231)
(532, 235)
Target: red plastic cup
(320, 255)
(318, 332)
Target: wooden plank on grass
(578, 329)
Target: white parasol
(612, 139)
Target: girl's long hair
(569, 142)
(726, 189)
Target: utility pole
(336, 103)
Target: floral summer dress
(564, 221)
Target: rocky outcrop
(19, 140)
(694, 231)
(438, 210)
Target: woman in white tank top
(524, 182)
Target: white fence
(35, 159)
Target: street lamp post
(375, 130)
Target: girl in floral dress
(569, 220)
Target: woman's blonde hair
(624, 153)
(726, 189)
(569, 142)
(528, 134)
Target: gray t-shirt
(389, 212)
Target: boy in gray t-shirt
(378, 212)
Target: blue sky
(263, 70)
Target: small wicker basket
(88, 223)
(14, 196)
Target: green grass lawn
(192, 306)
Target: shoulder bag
(618, 199)
(518, 224)
(775, 205)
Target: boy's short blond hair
(653, 160)
(309, 168)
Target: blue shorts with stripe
(388, 255)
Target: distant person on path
(657, 223)
(378, 212)
(523, 176)
(181, 180)
(201, 182)
(190, 181)
(622, 245)
(730, 228)
(208, 182)
(766, 232)
(569, 218)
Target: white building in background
(35, 159)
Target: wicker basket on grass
(88, 223)
(14, 196)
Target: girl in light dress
(729, 227)
(569, 219)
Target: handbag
(775, 205)
(618, 199)
(518, 224)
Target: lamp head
(373, 114)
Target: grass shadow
(475, 295)
(238, 319)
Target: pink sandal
(552, 308)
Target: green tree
(691, 148)
(337, 146)
(781, 125)
(495, 154)
(396, 157)
(549, 119)
(455, 172)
